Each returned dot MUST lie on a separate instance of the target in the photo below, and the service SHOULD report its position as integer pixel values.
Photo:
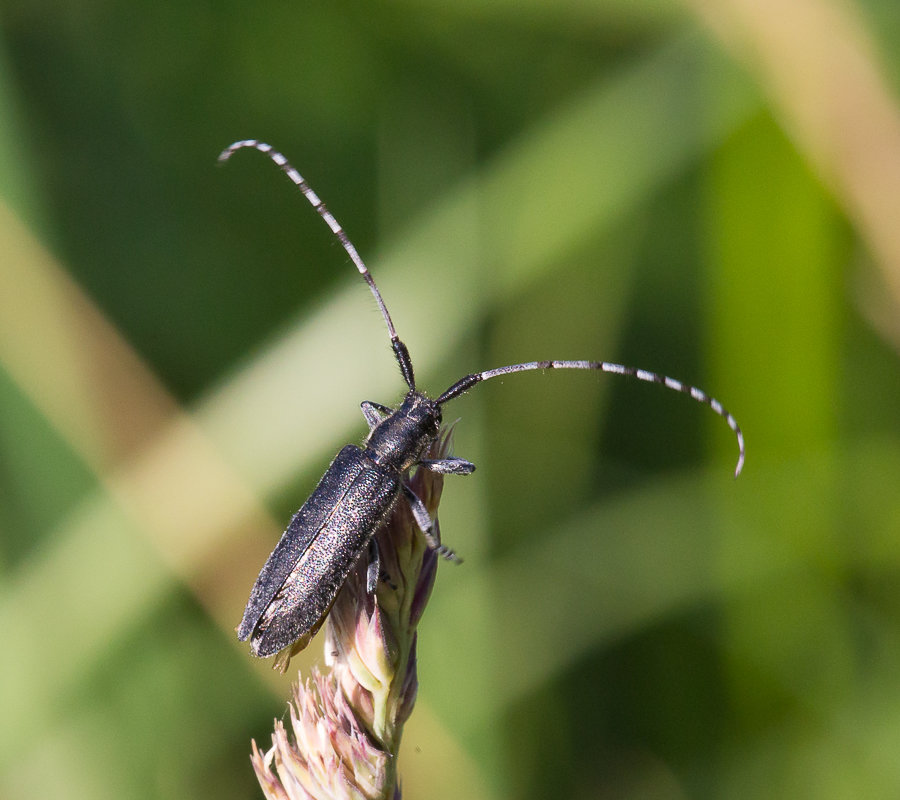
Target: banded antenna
(400, 350)
(464, 384)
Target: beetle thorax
(400, 440)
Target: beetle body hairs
(336, 526)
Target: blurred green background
(707, 189)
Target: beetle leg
(375, 413)
(373, 570)
(426, 525)
(448, 466)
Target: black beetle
(354, 498)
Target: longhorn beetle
(337, 524)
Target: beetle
(337, 524)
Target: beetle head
(400, 440)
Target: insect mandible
(337, 524)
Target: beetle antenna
(464, 384)
(400, 351)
